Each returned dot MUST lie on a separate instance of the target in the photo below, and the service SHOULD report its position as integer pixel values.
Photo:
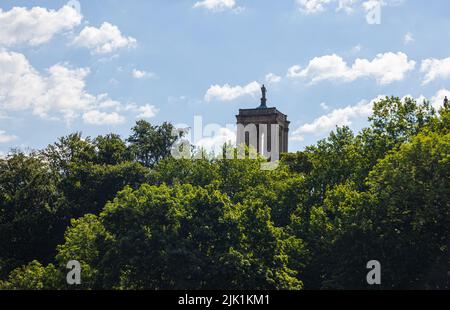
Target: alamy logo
(374, 275)
(373, 9)
(74, 275)
(250, 141)
(75, 4)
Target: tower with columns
(264, 129)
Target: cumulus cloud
(434, 69)
(140, 74)
(272, 78)
(338, 117)
(437, 101)
(64, 90)
(346, 116)
(218, 138)
(294, 71)
(312, 6)
(409, 38)
(96, 117)
(385, 68)
(22, 87)
(37, 25)
(357, 48)
(147, 111)
(324, 106)
(61, 93)
(144, 111)
(371, 4)
(229, 93)
(19, 82)
(316, 6)
(104, 40)
(5, 138)
(216, 5)
(346, 5)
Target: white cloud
(103, 40)
(312, 6)
(385, 68)
(409, 38)
(59, 93)
(216, 5)
(140, 74)
(37, 25)
(324, 106)
(338, 117)
(4, 138)
(437, 101)
(95, 117)
(217, 140)
(357, 48)
(346, 116)
(20, 84)
(273, 78)
(145, 111)
(435, 68)
(294, 71)
(64, 91)
(317, 6)
(105, 103)
(229, 93)
(22, 87)
(371, 4)
(346, 6)
(322, 68)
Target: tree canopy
(137, 218)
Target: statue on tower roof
(446, 105)
(264, 98)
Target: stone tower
(264, 129)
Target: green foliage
(33, 276)
(297, 162)
(136, 218)
(399, 119)
(180, 237)
(411, 187)
(30, 211)
(67, 151)
(111, 150)
(199, 172)
(150, 144)
(85, 241)
(87, 187)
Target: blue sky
(100, 68)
